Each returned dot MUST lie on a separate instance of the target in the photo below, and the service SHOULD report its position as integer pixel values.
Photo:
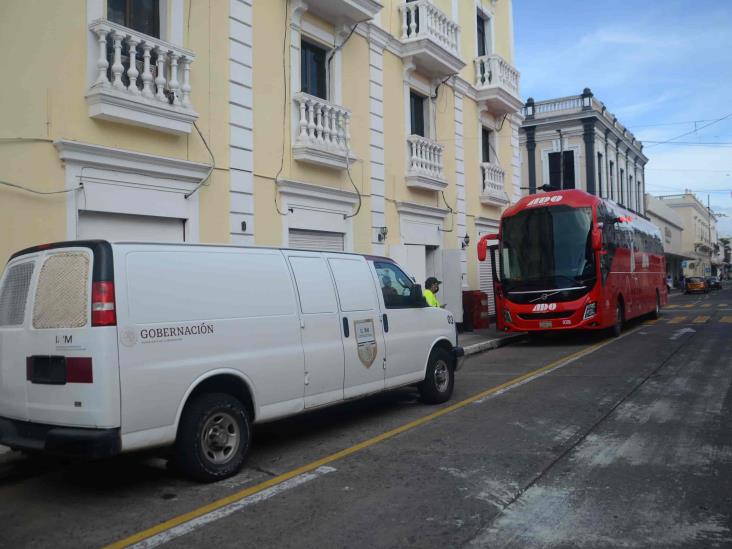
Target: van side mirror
(416, 298)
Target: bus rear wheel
(617, 328)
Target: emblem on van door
(365, 341)
(128, 337)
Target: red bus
(569, 260)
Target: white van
(108, 348)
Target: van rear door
(56, 368)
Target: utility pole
(709, 221)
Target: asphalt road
(573, 440)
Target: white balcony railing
(494, 70)
(493, 191)
(141, 79)
(322, 133)
(422, 19)
(425, 163)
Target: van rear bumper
(73, 442)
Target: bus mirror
(483, 245)
(596, 239)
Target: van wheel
(214, 436)
(617, 328)
(439, 381)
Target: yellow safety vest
(431, 299)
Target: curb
(476, 348)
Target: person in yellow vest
(431, 287)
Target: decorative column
(588, 124)
(531, 154)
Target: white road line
(196, 523)
(557, 367)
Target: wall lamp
(381, 235)
(466, 241)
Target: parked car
(714, 283)
(696, 284)
(109, 348)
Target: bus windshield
(547, 248)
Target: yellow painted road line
(672, 306)
(701, 319)
(726, 319)
(677, 320)
(706, 305)
(650, 322)
(237, 496)
(689, 306)
(722, 305)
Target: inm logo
(542, 307)
(65, 340)
(545, 200)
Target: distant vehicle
(696, 284)
(714, 283)
(109, 348)
(571, 260)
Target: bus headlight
(507, 316)
(590, 310)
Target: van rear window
(14, 294)
(62, 295)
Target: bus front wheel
(617, 328)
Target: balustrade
(422, 19)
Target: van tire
(214, 436)
(439, 380)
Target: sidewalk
(484, 340)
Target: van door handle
(346, 331)
(386, 322)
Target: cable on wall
(284, 108)
(28, 189)
(210, 168)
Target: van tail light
(103, 311)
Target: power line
(724, 143)
(671, 123)
(727, 171)
(692, 131)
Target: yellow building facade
(379, 127)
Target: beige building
(699, 238)
(576, 143)
(385, 127)
(671, 225)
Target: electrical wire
(210, 168)
(452, 215)
(25, 139)
(695, 130)
(28, 189)
(284, 110)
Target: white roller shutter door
(485, 274)
(301, 239)
(115, 227)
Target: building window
(312, 70)
(482, 44)
(630, 192)
(561, 176)
(416, 110)
(485, 144)
(140, 15)
(599, 175)
(611, 180)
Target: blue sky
(664, 67)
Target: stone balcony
(345, 12)
(430, 38)
(497, 84)
(140, 80)
(321, 132)
(492, 193)
(424, 160)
